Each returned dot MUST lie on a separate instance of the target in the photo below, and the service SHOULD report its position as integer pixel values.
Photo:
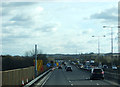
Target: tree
(40, 55)
(31, 53)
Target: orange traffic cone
(33, 77)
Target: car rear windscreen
(97, 70)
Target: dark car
(69, 68)
(66, 66)
(60, 67)
(97, 73)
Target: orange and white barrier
(27, 80)
(22, 81)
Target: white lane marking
(90, 80)
(71, 84)
(113, 83)
(46, 80)
(97, 83)
(69, 81)
(42, 80)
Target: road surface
(59, 77)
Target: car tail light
(102, 72)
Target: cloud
(108, 15)
(51, 27)
(88, 31)
(20, 18)
(16, 4)
(39, 9)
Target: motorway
(75, 78)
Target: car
(114, 67)
(69, 68)
(60, 67)
(97, 73)
(105, 66)
(89, 68)
(65, 66)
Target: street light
(99, 46)
(111, 37)
(99, 42)
(111, 27)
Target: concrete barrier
(15, 77)
(113, 77)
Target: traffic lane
(57, 78)
(81, 77)
(76, 74)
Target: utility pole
(35, 60)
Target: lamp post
(119, 40)
(111, 27)
(99, 42)
(98, 37)
(111, 37)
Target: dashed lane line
(97, 83)
(71, 84)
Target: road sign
(48, 65)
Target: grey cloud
(12, 39)
(20, 18)
(85, 32)
(17, 4)
(70, 45)
(91, 41)
(25, 24)
(5, 13)
(106, 15)
(17, 36)
(8, 7)
(47, 28)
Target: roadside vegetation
(15, 62)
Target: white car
(114, 67)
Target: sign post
(35, 60)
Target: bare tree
(32, 52)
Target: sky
(58, 27)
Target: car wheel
(102, 78)
(91, 78)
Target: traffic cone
(22, 82)
(42, 68)
(27, 80)
(33, 77)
